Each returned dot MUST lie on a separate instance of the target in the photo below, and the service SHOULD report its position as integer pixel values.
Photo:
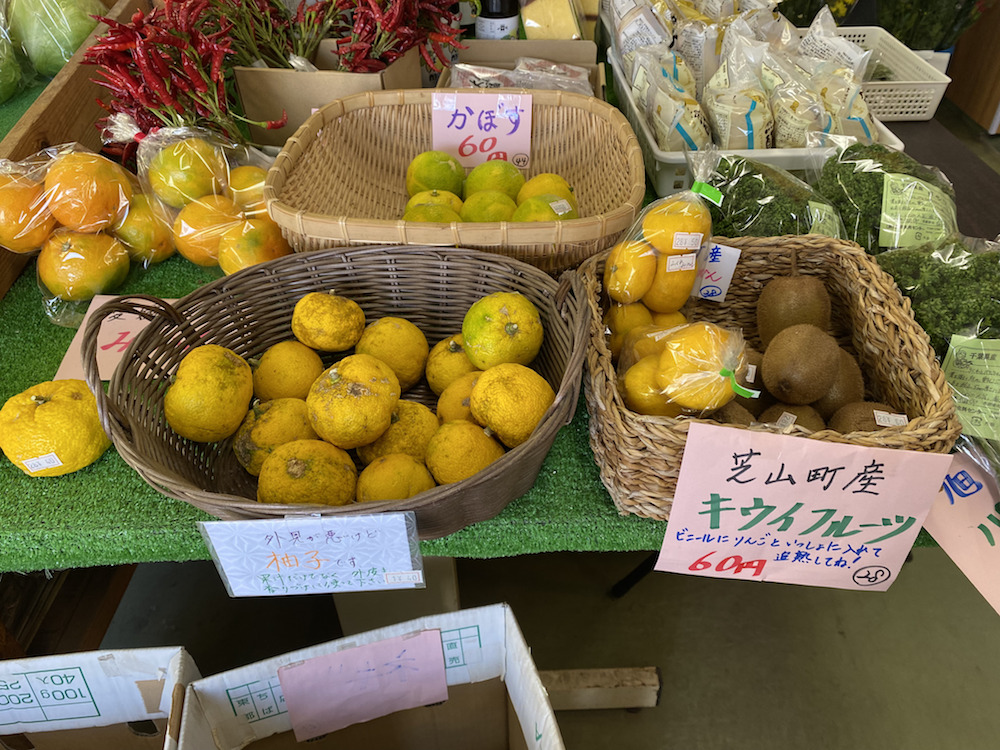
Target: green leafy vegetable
(50, 31)
(10, 69)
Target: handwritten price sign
(765, 507)
(478, 126)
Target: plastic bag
(841, 92)
(467, 75)
(953, 285)
(12, 75)
(761, 200)
(886, 198)
(734, 98)
(50, 31)
(636, 26)
(675, 116)
(697, 39)
(822, 42)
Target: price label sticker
(316, 554)
(478, 126)
(765, 507)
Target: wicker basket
(340, 180)
(251, 310)
(640, 456)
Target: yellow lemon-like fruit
(669, 319)
(488, 205)
(438, 197)
(352, 402)
(640, 342)
(454, 401)
(545, 207)
(285, 370)
(434, 170)
(691, 366)
(502, 327)
(187, 170)
(460, 449)
(511, 400)
(677, 225)
(327, 322)
(433, 213)
(621, 318)
(672, 283)
(75, 266)
(52, 428)
(210, 394)
(641, 392)
(495, 174)
(266, 426)
(249, 242)
(311, 472)
(146, 231)
(400, 344)
(410, 429)
(396, 476)
(547, 183)
(629, 270)
(246, 188)
(446, 362)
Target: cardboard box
(503, 53)
(127, 699)
(495, 698)
(265, 92)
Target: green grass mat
(106, 514)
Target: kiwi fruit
(805, 415)
(848, 386)
(858, 416)
(787, 300)
(732, 413)
(800, 364)
(753, 359)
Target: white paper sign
(477, 126)
(764, 507)
(965, 521)
(316, 554)
(716, 264)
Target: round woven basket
(640, 456)
(251, 310)
(340, 179)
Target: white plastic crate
(668, 170)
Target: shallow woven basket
(251, 310)
(640, 456)
(340, 180)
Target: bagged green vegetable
(953, 285)
(11, 75)
(760, 200)
(887, 199)
(50, 31)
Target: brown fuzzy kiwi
(753, 360)
(732, 413)
(787, 300)
(858, 417)
(805, 415)
(848, 386)
(800, 364)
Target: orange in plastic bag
(25, 220)
(87, 192)
(199, 227)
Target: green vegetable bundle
(760, 200)
(887, 199)
(953, 286)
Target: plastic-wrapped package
(953, 285)
(696, 40)
(761, 200)
(822, 42)
(540, 65)
(639, 24)
(660, 60)
(50, 31)
(841, 92)
(675, 116)
(12, 76)
(886, 198)
(734, 97)
(467, 75)
(796, 107)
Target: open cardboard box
(503, 53)
(127, 699)
(265, 92)
(495, 701)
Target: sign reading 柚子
(477, 127)
(759, 506)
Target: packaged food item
(551, 19)
(465, 75)
(734, 98)
(551, 67)
(822, 42)
(637, 25)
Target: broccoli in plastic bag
(953, 286)
(887, 199)
(760, 200)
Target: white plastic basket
(668, 170)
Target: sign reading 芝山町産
(759, 506)
(477, 127)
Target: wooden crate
(64, 112)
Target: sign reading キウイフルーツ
(477, 127)
(759, 506)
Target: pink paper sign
(332, 691)
(476, 127)
(965, 521)
(764, 507)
